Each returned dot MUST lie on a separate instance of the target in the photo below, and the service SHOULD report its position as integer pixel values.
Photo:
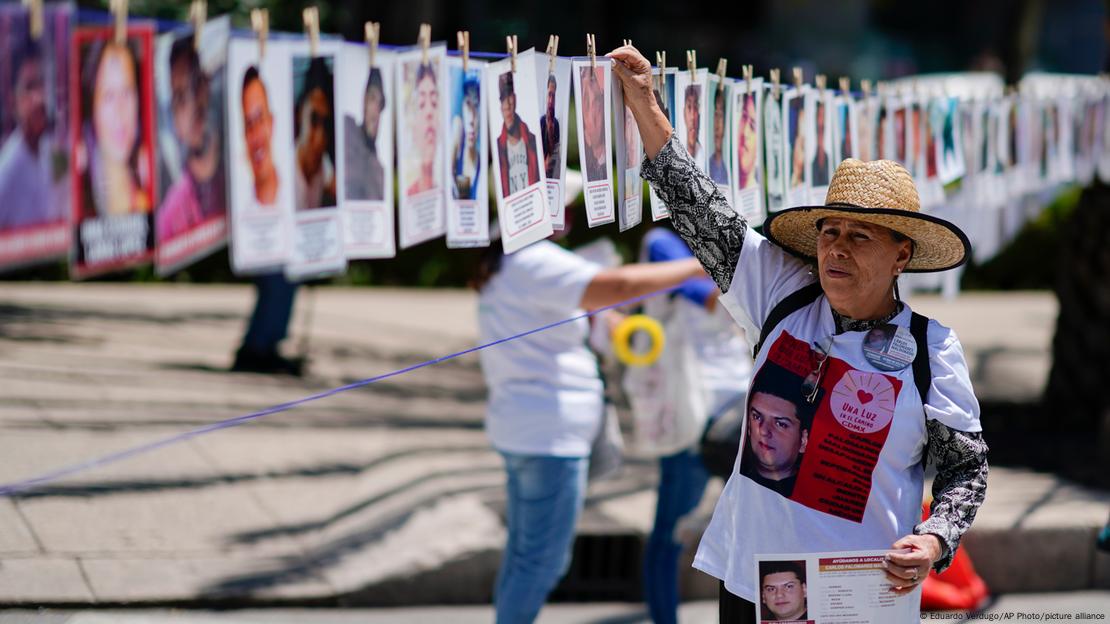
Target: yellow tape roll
(622, 340)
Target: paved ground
(388, 494)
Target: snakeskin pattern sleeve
(699, 212)
(958, 488)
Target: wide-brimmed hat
(880, 192)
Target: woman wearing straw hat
(859, 416)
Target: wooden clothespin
(798, 78)
(845, 85)
(865, 87)
(661, 61)
(463, 37)
(119, 11)
(510, 44)
(311, 16)
(776, 83)
(260, 24)
(820, 81)
(34, 15)
(198, 14)
(722, 66)
(552, 52)
(692, 64)
(627, 42)
(749, 74)
(373, 33)
(591, 50)
(424, 40)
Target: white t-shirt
(545, 392)
(858, 481)
(518, 165)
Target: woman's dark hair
(425, 70)
(487, 265)
(250, 76)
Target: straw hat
(879, 192)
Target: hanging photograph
(867, 118)
(914, 145)
(112, 104)
(845, 128)
(795, 122)
(518, 177)
(190, 85)
(630, 152)
(820, 163)
(593, 84)
(366, 106)
(553, 79)
(946, 127)
(260, 163)
(421, 144)
(690, 119)
(774, 148)
(34, 136)
(665, 99)
(747, 161)
(467, 156)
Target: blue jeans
(682, 479)
(273, 307)
(545, 497)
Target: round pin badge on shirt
(889, 347)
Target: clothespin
(865, 87)
(311, 16)
(722, 65)
(424, 39)
(198, 13)
(373, 32)
(820, 81)
(798, 78)
(34, 13)
(692, 64)
(591, 50)
(661, 61)
(776, 84)
(746, 70)
(260, 24)
(552, 52)
(627, 42)
(845, 85)
(510, 43)
(119, 10)
(463, 37)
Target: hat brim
(938, 244)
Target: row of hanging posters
(160, 149)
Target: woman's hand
(909, 563)
(634, 72)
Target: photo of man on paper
(821, 152)
(796, 141)
(465, 138)
(516, 145)
(258, 129)
(718, 165)
(314, 132)
(779, 421)
(783, 594)
(198, 193)
(691, 114)
(550, 134)
(364, 177)
(595, 160)
(747, 142)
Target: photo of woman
(314, 132)
(420, 92)
(747, 141)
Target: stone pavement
(383, 495)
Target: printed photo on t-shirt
(816, 427)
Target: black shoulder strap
(922, 376)
(792, 303)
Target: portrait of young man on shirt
(779, 418)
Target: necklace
(847, 324)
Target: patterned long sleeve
(959, 487)
(699, 211)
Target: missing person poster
(630, 152)
(518, 178)
(663, 87)
(366, 110)
(468, 155)
(796, 115)
(830, 588)
(821, 164)
(421, 144)
(593, 84)
(774, 149)
(259, 117)
(747, 165)
(719, 147)
(190, 85)
(553, 79)
(34, 136)
(112, 108)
